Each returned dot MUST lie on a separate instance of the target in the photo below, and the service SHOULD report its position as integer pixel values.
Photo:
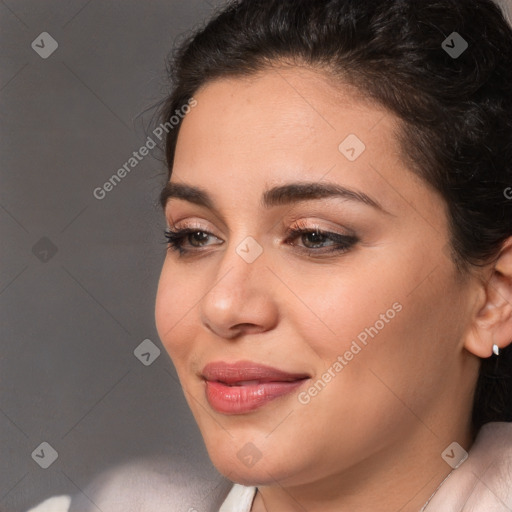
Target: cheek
(371, 357)
(175, 300)
(385, 326)
(346, 305)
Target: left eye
(315, 239)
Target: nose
(240, 299)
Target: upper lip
(240, 371)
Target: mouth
(241, 387)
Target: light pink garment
(483, 483)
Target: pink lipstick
(241, 387)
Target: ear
(492, 323)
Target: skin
(372, 438)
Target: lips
(237, 388)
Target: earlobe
(492, 323)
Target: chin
(250, 477)
(243, 463)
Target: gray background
(71, 321)
(69, 325)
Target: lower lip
(241, 399)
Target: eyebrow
(276, 196)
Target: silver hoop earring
(496, 349)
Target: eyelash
(343, 243)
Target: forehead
(286, 125)
(281, 107)
(279, 116)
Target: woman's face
(367, 324)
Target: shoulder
(483, 482)
(55, 504)
(239, 499)
(148, 484)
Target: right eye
(177, 238)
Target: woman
(341, 245)
(337, 294)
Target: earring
(496, 349)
